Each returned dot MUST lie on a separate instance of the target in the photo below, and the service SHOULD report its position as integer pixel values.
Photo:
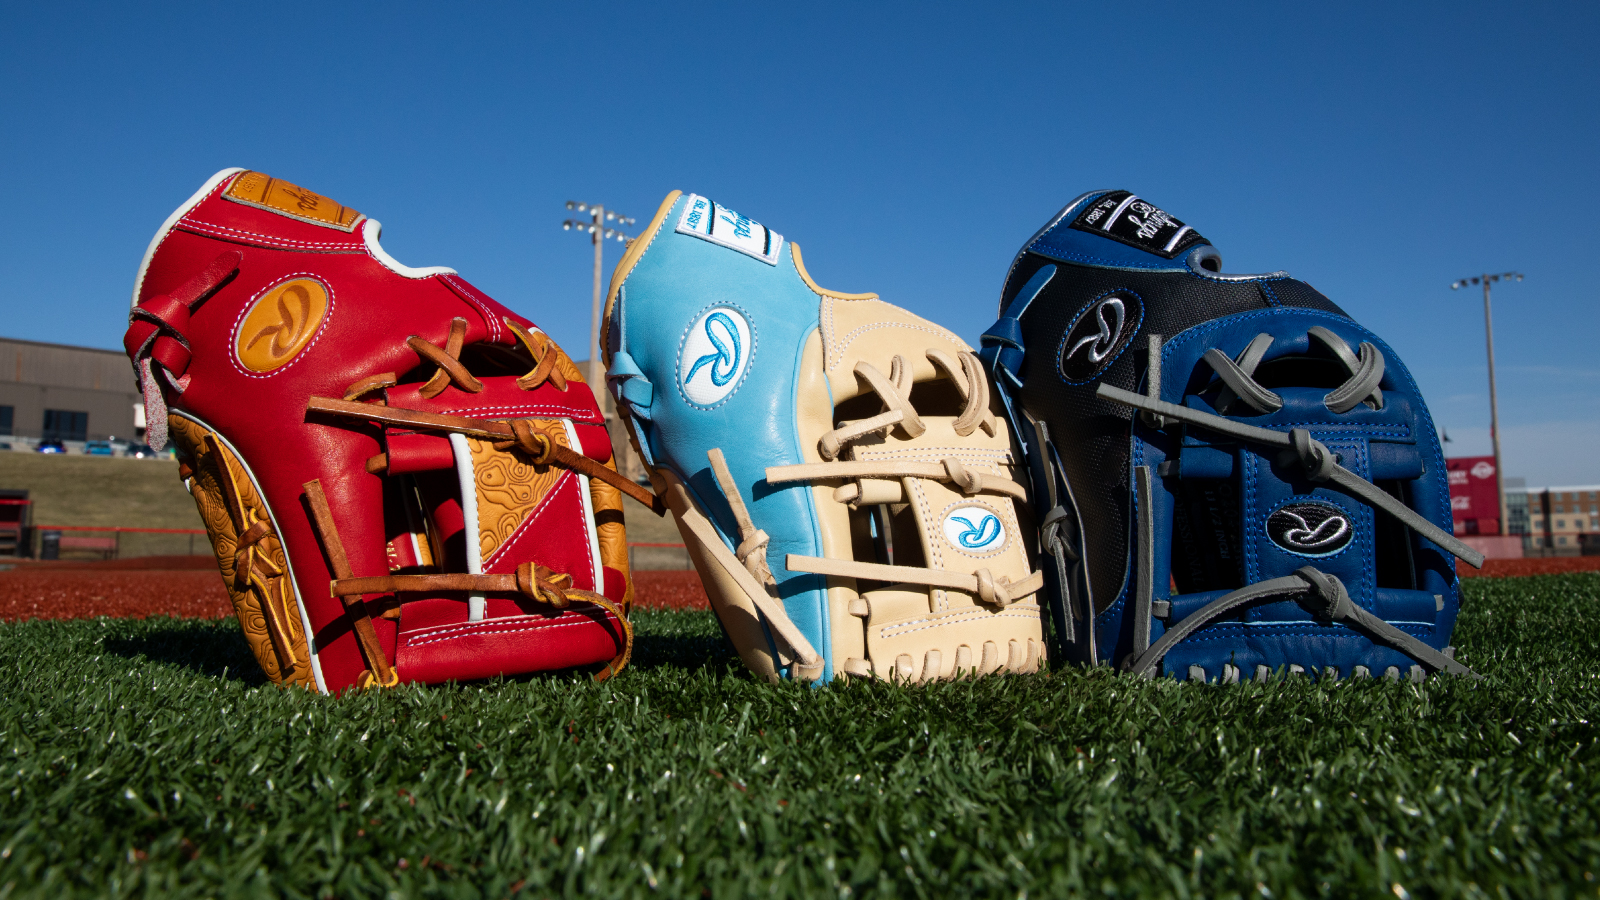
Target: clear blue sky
(1377, 152)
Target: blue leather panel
(1395, 443)
(678, 280)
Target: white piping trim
(476, 604)
(299, 602)
(588, 513)
(180, 212)
(371, 229)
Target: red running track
(134, 589)
(190, 586)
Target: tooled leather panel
(510, 492)
(204, 485)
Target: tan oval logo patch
(281, 323)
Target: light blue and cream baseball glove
(838, 467)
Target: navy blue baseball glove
(1234, 478)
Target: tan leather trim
(731, 602)
(800, 266)
(206, 472)
(276, 195)
(624, 268)
(608, 522)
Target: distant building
(1562, 521)
(63, 393)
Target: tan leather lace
(879, 481)
(897, 409)
(543, 351)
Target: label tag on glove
(720, 225)
(1123, 217)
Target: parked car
(51, 447)
(141, 451)
(99, 448)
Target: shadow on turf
(217, 654)
(207, 652)
(689, 652)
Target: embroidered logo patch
(1099, 334)
(974, 529)
(720, 225)
(280, 324)
(1310, 529)
(1123, 217)
(715, 355)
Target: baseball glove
(835, 464)
(1233, 477)
(402, 479)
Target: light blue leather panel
(664, 305)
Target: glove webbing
(519, 432)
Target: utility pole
(1494, 404)
(598, 233)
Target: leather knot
(530, 440)
(1327, 601)
(992, 590)
(244, 557)
(538, 583)
(1051, 537)
(969, 482)
(752, 551)
(1317, 460)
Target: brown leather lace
(447, 358)
(500, 431)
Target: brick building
(1563, 521)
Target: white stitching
(464, 291)
(479, 629)
(201, 226)
(589, 418)
(534, 514)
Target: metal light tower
(599, 233)
(1494, 404)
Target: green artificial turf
(148, 758)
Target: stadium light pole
(1494, 404)
(599, 233)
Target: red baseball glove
(402, 479)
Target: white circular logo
(1483, 469)
(974, 529)
(715, 353)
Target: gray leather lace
(1319, 464)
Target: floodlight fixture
(1494, 402)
